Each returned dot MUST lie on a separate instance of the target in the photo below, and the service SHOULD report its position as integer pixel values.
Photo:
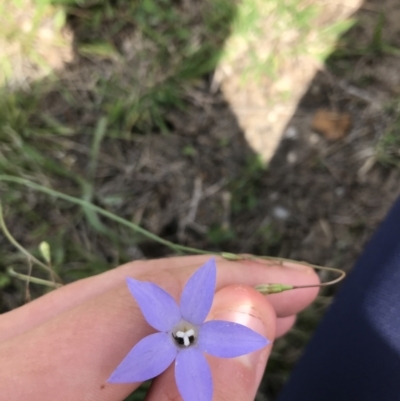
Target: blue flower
(183, 336)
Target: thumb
(233, 378)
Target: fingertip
(236, 379)
(244, 305)
(291, 302)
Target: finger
(292, 302)
(246, 272)
(234, 378)
(96, 335)
(55, 302)
(251, 273)
(284, 324)
(75, 351)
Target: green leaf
(100, 49)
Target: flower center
(184, 337)
(184, 334)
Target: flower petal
(198, 293)
(193, 375)
(147, 359)
(228, 339)
(158, 307)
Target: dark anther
(179, 340)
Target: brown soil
(318, 200)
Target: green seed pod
(272, 288)
(230, 256)
(44, 249)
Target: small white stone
(291, 157)
(339, 192)
(280, 212)
(313, 138)
(273, 196)
(291, 133)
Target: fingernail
(244, 314)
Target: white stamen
(185, 335)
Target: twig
(27, 292)
(194, 205)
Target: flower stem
(105, 213)
(272, 288)
(267, 288)
(342, 273)
(29, 279)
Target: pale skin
(64, 345)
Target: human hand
(64, 345)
